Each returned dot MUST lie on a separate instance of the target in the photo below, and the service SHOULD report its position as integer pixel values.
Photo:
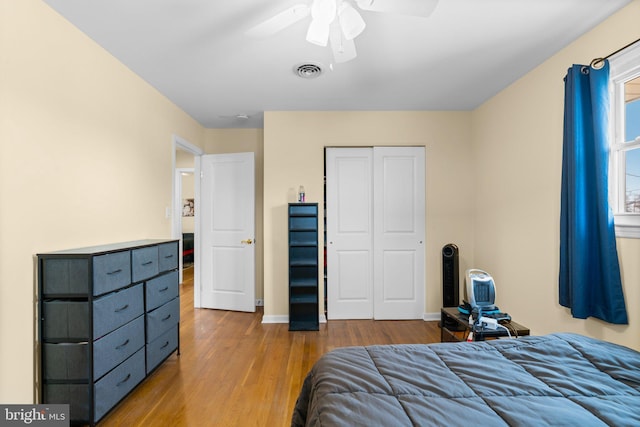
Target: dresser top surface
(111, 247)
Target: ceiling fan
(338, 22)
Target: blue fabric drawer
(111, 272)
(117, 383)
(162, 319)
(117, 346)
(161, 289)
(65, 276)
(65, 320)
(65, 361)
(168, 256)
(114, 310)
(144, 263)
(74, 395)
(161, 347)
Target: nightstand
(455, 326)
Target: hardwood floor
(235, 371)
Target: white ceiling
(196, 53)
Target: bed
(557, 379)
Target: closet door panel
(349, 233)
(399, 232)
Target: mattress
(557, 379)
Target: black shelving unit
(303, 267)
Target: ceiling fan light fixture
(323, 12)
(351, 22)
(318, 33)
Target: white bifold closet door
(375, 232)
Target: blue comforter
(554, 380)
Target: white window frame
(624, 66)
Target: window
(624, 170)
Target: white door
(375, 232)
(227, 232)
(399, 232)
(349, 233)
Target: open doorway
(185, 192)
(185, 204)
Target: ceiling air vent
(308, 70)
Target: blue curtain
(590, 283)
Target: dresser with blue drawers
(108, 316)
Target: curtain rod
(597, 61)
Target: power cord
(512, 329)
(506, 329)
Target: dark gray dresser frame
(67, 354)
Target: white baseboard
(282, 318)
(429, 317)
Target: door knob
(248, 241)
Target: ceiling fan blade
(343, 50)
(280, 21)
(421, 8)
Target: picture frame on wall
(188, 206)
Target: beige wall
(85, 158)
(294, 145)
(517, 148)
(221, 141)
(184, 159)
